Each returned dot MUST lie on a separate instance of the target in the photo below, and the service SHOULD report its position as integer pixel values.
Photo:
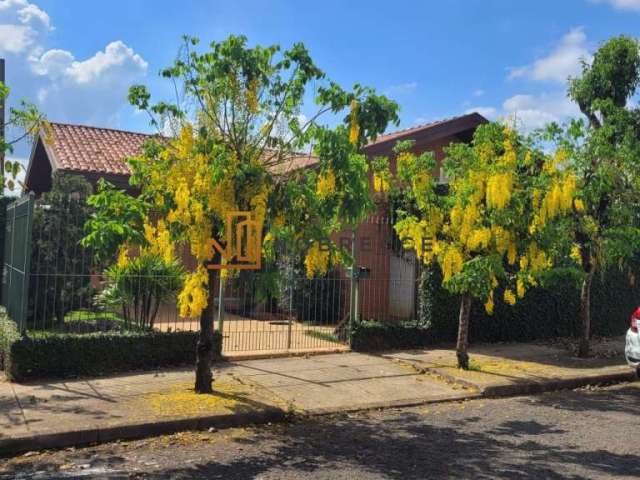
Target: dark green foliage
(60, 267)
(371, 336)
(68, 355)
(318, 301)
(544, 313)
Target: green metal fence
(17, 259)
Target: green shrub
(140, 286)
(8, 335)
(69, 355)
(370, 336)
(543, 313)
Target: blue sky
(75, 59)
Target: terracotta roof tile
(92, 149)
(87, 149)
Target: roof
(81, 148)
(461, 122)
(97, 151)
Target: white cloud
(563, 61)
(534, 111)
(478, 92)
(21, 23)
(488, 112)
(66, 88)
(91, 90)
(402, 88)
(15, 38)
(633, 5)
(32, 13)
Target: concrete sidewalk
(65, 413)
(518, 369)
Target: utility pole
(2, 103)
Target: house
(390, 290)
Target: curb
(533, 387)
(92, 436)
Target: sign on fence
(17, 259)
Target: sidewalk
(65, 413)
(519, 369)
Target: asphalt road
(588, 433)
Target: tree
(604, 155)
(237, 133)
(495, 223)
(60, 270)
(26, 121)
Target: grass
(322, 336)
(90, 316)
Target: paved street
(588, 433)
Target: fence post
(353, 297)
(220, 303)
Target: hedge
(543, 313)
(62, 355)
(369, 336)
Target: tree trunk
(585, 315)
(204, 347)
(463, 332)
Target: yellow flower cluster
(326, 184)
(499, 189)
(575, 254)
(123, 256)
(488, 306)
(354, 131)
(317, 260)
(559, 199)
(380, 183)
(452, 262)
(192, 300)
(159, 240)
(509, 297)
(479, 239)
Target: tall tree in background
(604, 155)
(237, 133)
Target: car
(632, 347)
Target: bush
(140, 286)
(8, 335)
(543, 313)
(69, 355)
(370, 336)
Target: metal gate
(17, 259)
